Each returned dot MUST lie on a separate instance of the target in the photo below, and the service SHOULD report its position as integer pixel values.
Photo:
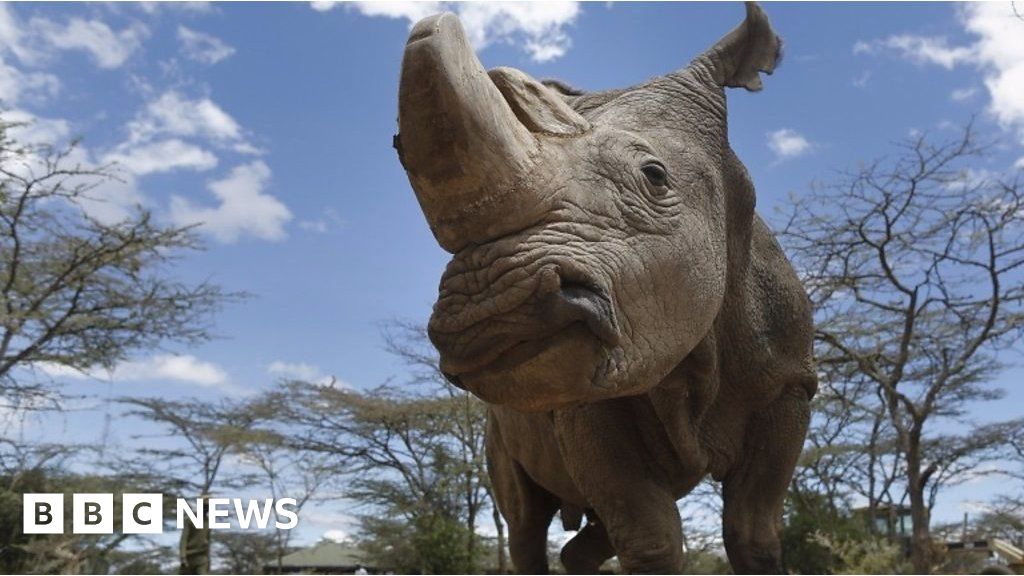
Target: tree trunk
(499, 526)
(921, 538)
(194, 549)
(471, 539)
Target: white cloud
(296, 370)
(336, 535)
(317, 226)
(918, 49)
(171, 132)
(109, 48)
(12, 34)
(15, 85)
(33, 129)
(201, 47)
(158, 135)
(162, 156)
(185, 368)
(330, 220)
(787, 143)
(537, 27)
(412, 11)
(304, 372)
(540, 24)
(244, 208)
(179, 368)
(110, 201)
(114, 200)
(968, 178)
(323, 5)
(997, 51)
(963, 94)
(175, 115)
(193, 6)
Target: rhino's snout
(561, 299)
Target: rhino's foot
(652, 557)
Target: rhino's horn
(459, 140)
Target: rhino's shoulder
(778, 309)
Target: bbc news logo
(144, 513)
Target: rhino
(630, 321)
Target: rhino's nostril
(591, 304)
(577, 290)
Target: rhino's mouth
(559, 315)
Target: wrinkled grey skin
(612, 295)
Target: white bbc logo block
(42, 514)
(142, 513)
(92, 514)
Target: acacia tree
(849, 449)
(914, 263)
(207, 432)
(77, 292)
(283, 470)
(466, 423)
(401, 463)
(413, 454)
(34, 468)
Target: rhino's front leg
(603, 451)
(755, 489)
(527, 507)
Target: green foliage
(440, 544)
(702, 562)
(13, 556)
(868, 555)
(68, 553)
(244, 552)
(429, 544)
(413, 455)
(802, 553)
(155, 560)
(819, 538)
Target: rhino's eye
(655, 174)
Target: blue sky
(272, 125)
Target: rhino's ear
(540, 109)
(752, 47)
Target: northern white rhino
(631, 322)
